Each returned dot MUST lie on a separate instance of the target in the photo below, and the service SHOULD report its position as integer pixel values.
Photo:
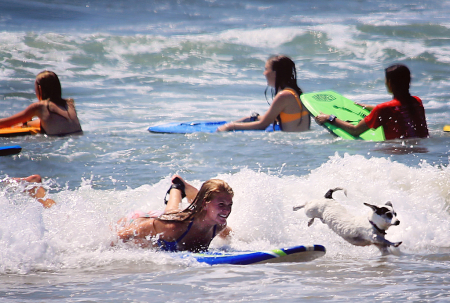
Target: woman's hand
(322, 118)
(226, 127)
(33, 123)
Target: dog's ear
(388, 203)
(374, 208)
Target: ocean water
(133, 64)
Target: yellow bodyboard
(19, 131)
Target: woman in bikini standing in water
(286, 108)
(57, 116)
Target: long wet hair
(50, 87)
(209, 190)
(51, 90)
(399, 77)
(286, 76)
(286, 73)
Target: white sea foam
(129, 66)
(76, 232)
(269, 37)
(345, 39)
(384, 19)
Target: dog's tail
(329, 194)
(298, 207)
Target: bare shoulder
(37, 105)
(170, 230)
(36, 108)
(284, 96)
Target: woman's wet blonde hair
(209, 190)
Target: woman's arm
(37, 192)
(277, 106)
(354, 130)
(33, 123)
(253, 117)
(138, 229)
(226, 233)
(26, 115)
(366, 106)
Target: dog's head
(383, 217)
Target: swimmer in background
(286, 108)
(401, 118)
(57, 116)
(37, 191)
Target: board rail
(19, 131)
(301, 253)
(10, 150)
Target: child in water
(401, 118)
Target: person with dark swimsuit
(174, 229)
(191, 229)
(173, 245)
(57, 116)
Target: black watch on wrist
(331, 118)
(254, 117)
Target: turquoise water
(133, 64)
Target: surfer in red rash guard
(401, 118)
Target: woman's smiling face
(219, 208)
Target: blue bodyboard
(301, 253)
(10, 150)
(197, 127)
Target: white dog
(360, 231)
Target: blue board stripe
(10, 150)
(197, 127)
(245, 258)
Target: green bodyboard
(331, 103)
